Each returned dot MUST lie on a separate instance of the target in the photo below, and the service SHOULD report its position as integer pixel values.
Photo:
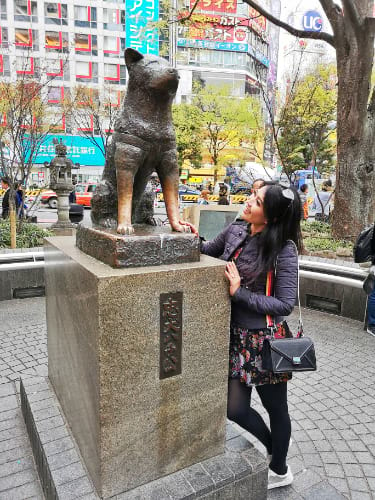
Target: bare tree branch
(293, 31)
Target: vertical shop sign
(139, 35)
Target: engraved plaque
(170, 334)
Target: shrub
(317, 237)
(28, 235)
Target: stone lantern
(61, 183)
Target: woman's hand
(192, 228)
(234, 278)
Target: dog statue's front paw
(180, 227)
(125, 229)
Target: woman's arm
(285, 287)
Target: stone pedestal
(104, 330)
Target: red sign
(216, 28)
(258, 22)
(228, 6)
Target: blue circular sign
(312, 21)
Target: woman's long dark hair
(283, 223)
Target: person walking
(223, 197)
(5, 202)
(303, 191)
(266, 238)
(203, 200)
(324, 199)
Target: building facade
(77, 43)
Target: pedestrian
(203, 200)
(223, 197)
(265, 239)
(303, 192)
(324, 200)
(20, 201)
(5, 203)
(257, 184)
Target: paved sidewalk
(332, 410)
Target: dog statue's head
(151, 72)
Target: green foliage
(189, 134)
(28, 235)
(228, 122)
(317, 236)
(304, 122)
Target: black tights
(274, 400)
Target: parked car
(83, 193)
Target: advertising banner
(80, 150)
(227, 6)
(138, 16)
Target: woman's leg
(274, 399)
(240, 412)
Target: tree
(92, 114)
(305, 122)
(26, 120)
(353, 38)
(227, 122)
(189, 134)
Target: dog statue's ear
(132, 56)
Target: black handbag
(364, 248)
(291, 354)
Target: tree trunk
(354, 203)
(13, 226)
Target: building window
(58, 69)
(86, 71)
(86, 44)
(3, 9)
(56, 13)
(114, 46)
(56, 121)
(85, 16)
(27, 66)
(26, 38)
(112, 98)
(4, 37)
(25, 10)
(4, 65)
(115, 74)
(55, 95)
(56, 40)
(114, 19)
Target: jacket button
(239, 234)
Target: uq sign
(312, 21)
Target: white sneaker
(276, 480)
(371, 329)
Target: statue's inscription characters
(143, 141)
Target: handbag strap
(269, 290)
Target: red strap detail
(269, 320)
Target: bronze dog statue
(143, 142)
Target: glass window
(56, 13)
(26, 66)
(56, 40)
(114, 19)
(3, 37)
(4, 65)
(3, 9)
(86, 71)
(26, 38)
(84, 16)
(25, 10)
(55, 94)
(85, 43)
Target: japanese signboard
(79, 149)
(170, 334)
(215, 27)
(227, 6)
(257, 22)
(139, 35)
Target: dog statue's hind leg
(128, 159)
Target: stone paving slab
(332, 410)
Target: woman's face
(254, 211)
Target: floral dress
(245, 360)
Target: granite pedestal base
(239, 473)
(148, 246)
(104, 328)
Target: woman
(265, 238)
(203, 200)
(303, 192)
